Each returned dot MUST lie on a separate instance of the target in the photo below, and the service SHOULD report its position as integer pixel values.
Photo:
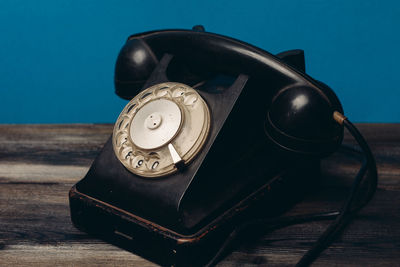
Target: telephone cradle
(204, 145)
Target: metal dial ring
(161, 128)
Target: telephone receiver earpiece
(300, 117)
(135, 63)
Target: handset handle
(204, 53)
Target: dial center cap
(155, 124)
(153, 121)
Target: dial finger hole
(145, 95)
(128, 155)
(162, 92)
(178, 92)
(140, 162)
(155, 165)
(190, 99)
(130, 108)
(120, 139)
(137, 162)
(123, 124)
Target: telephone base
(164, 246)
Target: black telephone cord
(341, 218)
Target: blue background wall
(57, 57)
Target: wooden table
(40, 163)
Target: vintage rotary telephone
(216, 133)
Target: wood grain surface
(40, 163)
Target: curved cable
(347, 212)
(341, 219)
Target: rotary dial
(161, 129)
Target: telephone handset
(214, 127)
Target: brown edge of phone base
(162, 245)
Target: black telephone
(215, 132)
